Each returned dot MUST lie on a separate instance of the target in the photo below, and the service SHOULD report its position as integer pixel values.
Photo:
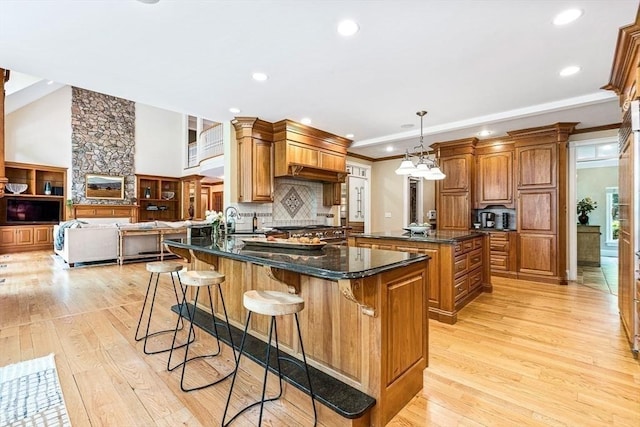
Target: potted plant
(585, 206)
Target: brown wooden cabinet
(537, 166)
(494, 179)
(158, 198)
(458, 271)
(454, 193)
(331, 194)
(22, 238)
(540, 169)
(503, 253)
(44, 183)
(255, 159)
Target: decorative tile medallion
(292, 202)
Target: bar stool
(197, 280)
(271, 303)
(157, 268)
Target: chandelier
(426, 167)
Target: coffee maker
(489, 219)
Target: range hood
(303, 152)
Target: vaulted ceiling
(473, 65)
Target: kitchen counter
(333, 262)
(433, 236)
(459, 270)
(364, 322)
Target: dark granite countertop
(432, 236)
(333, 262)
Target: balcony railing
(209, 144)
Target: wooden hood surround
(4, 77)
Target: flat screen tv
(33, 211)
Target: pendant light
(426, 166)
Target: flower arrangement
(586, 205)
(213, 217)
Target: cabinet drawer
(475, 279)
(460, 265)
(475, 259)
(461, 287)
(499, 237)
(457, 249)
(477, 243)
(499, 262)
(499, 246)
(386, 247)
(467, 245)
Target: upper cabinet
(454, 193)
(537, 166)
(255, 159)
(494, 176)
(308, 153)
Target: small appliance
(505, 221)
(489, 219)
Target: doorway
(593, 249)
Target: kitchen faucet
(227, 215)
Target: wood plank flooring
(528, 354)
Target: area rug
(30, 394)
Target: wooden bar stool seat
(156, 269)
(200, 279)
(271, 303)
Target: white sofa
(97, 239)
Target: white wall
(387, 196)
(40, 132)
(160, 141)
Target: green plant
(586, 205)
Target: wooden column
(4, 77)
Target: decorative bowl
(418, 228)
(16, 188)
(168, 195)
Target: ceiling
(472, 65)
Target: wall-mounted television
(33, 211)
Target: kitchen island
(365, 319)
(459, 271)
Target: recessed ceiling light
(149, 1)
(566, 17)
(569, 71)
(234, 110)
(305, 121)
(484, 133)
(389, 149)
(259, 77)
(50, 82)
(407, 126)
(349, 135)
(347, 28)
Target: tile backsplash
(295, 202)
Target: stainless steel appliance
(489, 219)
(505, 220)
(329, 234)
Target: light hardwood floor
(528, 354)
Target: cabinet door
(332, 161)
(457, 170)
(262, 171)
(537, 254)
(24, 236)
(537, 211)
(301, 155)
(495, 179)
(7, 236)
(454, 211)
(42, 235)
(536, 166)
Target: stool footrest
(345, 400)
